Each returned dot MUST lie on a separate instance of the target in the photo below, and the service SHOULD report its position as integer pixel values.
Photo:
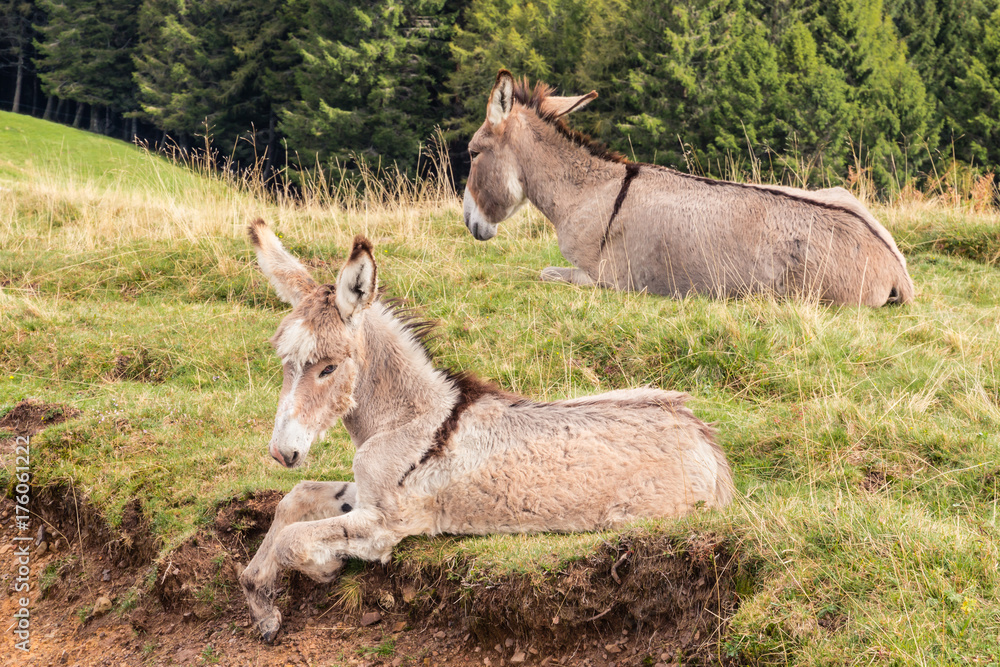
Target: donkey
(634, 226)
(438, 452)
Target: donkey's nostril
(292, 459)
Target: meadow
(865, 443)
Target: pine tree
(543, 40)
(949, 45)
(18, 19)
(367, 80)
(183, 57)
(85, 51)
(889, 124)
(258, 83)
(975, 111)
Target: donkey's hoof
(553, 274)
(269, 627)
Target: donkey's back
(583, 464)
(681, 234)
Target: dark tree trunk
(108, 120)
(20, 81)
(48, 108)
(95, 119)
(79, 115)
(59, 110)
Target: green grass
(865, 442)
(31, 146)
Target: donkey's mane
(532, 98)
(469, 386)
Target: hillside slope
(865, 443)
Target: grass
(866, 443)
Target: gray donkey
(633, 226)
(443, 453)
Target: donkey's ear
(357, 281)
(554, 107)
(288, 277)
(501, 98)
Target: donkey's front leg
(308, 501)
(318, 549)
(566, 274)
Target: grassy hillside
(866, 443)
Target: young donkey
(443, 453)
(636, 226)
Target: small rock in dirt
(486, 661)
(555, 620)
(509, 642)
(612, 648)
(5, 548)
(371, 618)
(399, 626)
(518, 658)
(664, 657)
(498, 648)
(441, 634)
(41, 548)
(533, 651)
(106, 575)
(397, 662)
(409, 593)
(660, 664)
(185, 654)
(102, 605)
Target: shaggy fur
(670, 233)
(438, 452)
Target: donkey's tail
(902, 291)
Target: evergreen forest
(805, 90)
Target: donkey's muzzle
(482, 231)
(474, 220)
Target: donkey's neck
(397, 384)
(571, 186)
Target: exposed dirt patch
(241, 525)
(140, 366)
(874, 481)
(643, 601)
(30, 417)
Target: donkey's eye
(473, 154)
(326, 371)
